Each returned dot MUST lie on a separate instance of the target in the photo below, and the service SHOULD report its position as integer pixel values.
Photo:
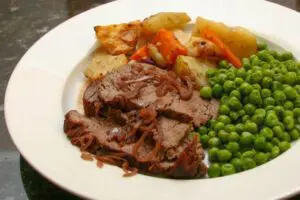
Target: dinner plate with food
(164, 99)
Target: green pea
(260, 111)
(224, 110)
(288, 105)
(246, 139)
(245, 88)
(225, 119)
(211, 123)
(217, 91)
(233, 115)
(211, 72)
(238, 81)
(290, 92)
(250, 127)
(233, 136)
(278, 131)
(275, 141)
(258, 119)
(245, 119)
(206, 92)
(262, 46)
(230, 76)
(269, 107)
(286, 137)
(223, 135)
(296, 112)
(267, 133)
(276, 85)
(297, 88)
(266, 82)
(237, 163)
(256, 86)
(224, 64)
(279, 97)
(271, 119)
(228, 86)
(255, 98)
(288, 113)
(275, 152)
(284, 146)
(224, 155)
(213, 154)
(227, 169)
(265, 56)
(297, 127)
(256, 77)
(214, 170)
(286, 56)
(203, 130)
(235, 93)
(212, 81)
(255, 61)
(214, 142)
(294, 133)
(246, 100)
(291, 65)
(279, 110)
(204, 140)
(241, 73)
(265, 93)
(224, 99)
(260, 143)
(230, 128)
(268, 73)
(246, 63)
(221, 78)
(288, 122)
(268, 147)
(261, 158)
(248, 163)
(239, 127)
(290, 78)
(222, 71)
(219, 126)
(278, 78)
(269, 101)
(233, 147)
(297, 102)
(234, 103)
(249, 109)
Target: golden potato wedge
(166, 20)
(239, 40)
(102, 63)
(119, 38)
(195, 66)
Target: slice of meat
(185, 163)
(196, 109)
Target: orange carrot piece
(140, 54)
(228, 54)
(168, 45)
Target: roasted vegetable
(156, 56)
(241, 42)
(202, 48)
(168, 45)
(197, 67)
(165, 20)
(101, 63)
(119, 38)
(140, 54)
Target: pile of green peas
(259, 113)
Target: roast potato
(241, 42)
(119, 38)
(102, 63)
(166, 20)
(197, 67)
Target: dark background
(22, 22)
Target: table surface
(21, 24)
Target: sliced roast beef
(142, 92)
(185, 160)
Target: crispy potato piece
(119, 38)
(197, 67)
(166, 20)
(240, 41)
(102, 63)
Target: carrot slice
(168, 45)
(228, 54)
(140, 54)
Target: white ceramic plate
(46, 83)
